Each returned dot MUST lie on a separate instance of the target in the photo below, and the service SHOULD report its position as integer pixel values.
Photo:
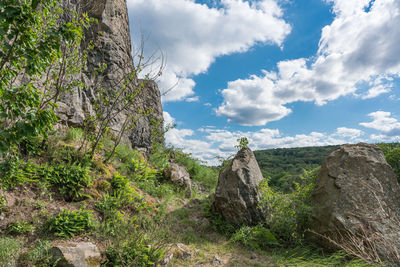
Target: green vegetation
(392, 155)
(68, 223)
(284, 166)
(67, 184)
(9, 249)
(32, 41)
(20, 227)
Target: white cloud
(168, 119)
(349, 132)
(383, 122)
(192, 99)
(358, 48)
(193, 35)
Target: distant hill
(283, 165)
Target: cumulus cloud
(193, 35)
(360, 47)
(385, 123)
(349, 132)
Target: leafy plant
(256, 237)
(20, 227)
(289, 215)
(68, 223)
(15, 172)
(70, 180)
(136, 251)
(32, 40)
(242, 143)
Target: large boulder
(356, 202)
(236, 197)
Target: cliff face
(111, 37)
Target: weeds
(9, 249)
(68, 223)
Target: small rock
(178, 174)
(83, 254)
(183, 252)
(167, 259)
(218, 261)
(253, 256)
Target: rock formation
(111, 37)
(356, 201)
(178, 174)
(236, 197)
(71, 254)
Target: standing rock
(83, 254)
(178, 174)
(236, 197)
(111, 41)
(357, 200)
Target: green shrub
(255, 237)
(20, 227)
(9, 249)
(122, 196)
(160, 156)
(70, 180)
(136, 251)
(289, 215)
(68, 223)
(74, 134)
(15, 171)
(38, 256)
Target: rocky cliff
(112, 46)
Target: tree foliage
(33, 44)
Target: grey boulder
(236, 197)
(356, 202)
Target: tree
(34, 42)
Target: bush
(68, 223)
(15, 171)
(122, 196)
(136, 251)
(289, 215)
(20, 227)
(257, 237)
(70, 180)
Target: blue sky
(283, 73)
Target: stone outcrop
(112, 46)
(83, 254)
(177, 174)
(357, 200)
(236, 197)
